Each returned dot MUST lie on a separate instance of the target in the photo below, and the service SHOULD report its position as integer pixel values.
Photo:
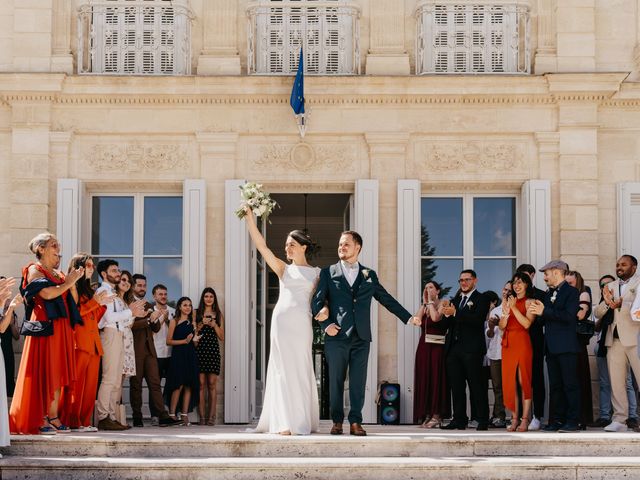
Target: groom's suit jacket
(350, 306)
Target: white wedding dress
(4, 409)
(291, 394)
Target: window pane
(112, 226)
(163, 225)
(493, 273)
(445, 272)
(167, 271)
(441, 229)
(125, 263)
(494, 221)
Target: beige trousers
(110, 391)
(619, 358)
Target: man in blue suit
(346, 289)
(559, 314)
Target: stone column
(32, 36)
(546, 54)
(387, 158)
(30, 197)
(576, 27)
(387, 53)
(548, 158)
(61, 59)
(219, 54)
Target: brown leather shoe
(357, 430)
(336, 429)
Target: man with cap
(559, 313)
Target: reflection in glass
(163, 225)
(167, 271)
(494, 221)
(442, 220)
(445, 272)
(112, 225)
(493, 273)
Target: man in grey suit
(347, 288)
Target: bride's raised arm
(274, 262)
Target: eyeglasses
(465, 280)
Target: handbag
(36, 328)
(586, 329)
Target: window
(143, 233)
(140, 37)
(467, 231)
(328, 35)
(472, 37)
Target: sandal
(513, 426)
(47, 430)
(211, 422)
(524, 425)
(203, 421)
(58, 428)
(185, 419)
(433, 423)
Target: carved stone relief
(503, 157)
(137, 157)
(303, 157)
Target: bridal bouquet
(256, 199)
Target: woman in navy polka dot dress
(210, 328)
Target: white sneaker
(90, 429)
(534, 425)
(155, 421)
(615, 427)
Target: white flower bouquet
(259, 201)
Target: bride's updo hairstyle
(304, 239)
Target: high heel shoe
(185, 419)
(524, 425)
(59, 428)
(211, 422)
(513, 426)
(433, 423)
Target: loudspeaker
(389, 404)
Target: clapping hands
(6, 284)
(137, 308)
(104, 298)
(536, 308)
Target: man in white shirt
(494, 354)
(163, 351)
(116, 318)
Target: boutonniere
(553, 296)
(469, 304)
(632, 291)
(365, 273)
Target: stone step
(260, 468)
(382, 442)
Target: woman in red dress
(77, 407)
(430, 400)
(517, 352)
(48, 363)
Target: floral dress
(129, 364)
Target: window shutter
(536, 224)
(629, 218)
(68, 210)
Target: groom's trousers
(350, 353)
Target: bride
(291, 397)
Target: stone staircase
(389, 452)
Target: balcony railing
(327, 31)
(476, 37)
(133, 37)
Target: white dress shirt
(494, 349)
(350, 271)
(117, 315)
(160, 337)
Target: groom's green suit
(350, 309)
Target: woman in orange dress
(48, 363)
(77, 408)
(517, 353)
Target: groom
(346, 288)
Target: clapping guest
(163, 351)
(182, 379)
(5, 320)
(6, 343)
(584, 374)
(210, 329)
(81, 398)
(517, 352)
(123, 289)
(430, 400)
(48, 363)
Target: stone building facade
(414, 108)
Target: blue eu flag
(297, 92)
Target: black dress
(208, 350)
(183, 366)
(6, 341)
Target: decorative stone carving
(471, 157)
(304, 157)
(137, 157)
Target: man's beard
(113, 280)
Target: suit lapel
(338, 273)
(359, 278)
